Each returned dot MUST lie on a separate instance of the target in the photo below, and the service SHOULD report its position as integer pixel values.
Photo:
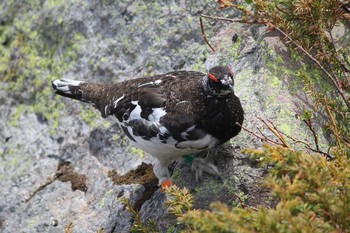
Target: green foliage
(138, 225)
(320, 186)
(181, 201)
(313, 196)
(69, 228)
(281, 219)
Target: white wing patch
(157, 82)
(185, 134)
(154, 117)
(115, 103)
(135, 114)
(207, 142)
(106, 110)
(156, 114)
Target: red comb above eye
(212, 77)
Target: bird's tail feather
(69, 88)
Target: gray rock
(57, 155)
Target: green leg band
(188, 159)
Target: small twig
(283, 11)
(346, 143)
(336, 132)
(270, 140)
(311, 128)
(221, 18)
(264, 138)
(347, 62)
(327, 155)
(343, 68)
(232, 20)
(203, 34)
(48, 181)
(279, 134)
(243, 204)
(275, 131)
(307, 145)
(69, 228)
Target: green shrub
(313, 194)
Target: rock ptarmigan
(169, 115)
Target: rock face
(61, 163)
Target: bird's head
(218, 82)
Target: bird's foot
(165, 184)
(200, 165)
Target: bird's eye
(212, 77)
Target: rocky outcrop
(61, 163)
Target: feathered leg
(200, 165)
(161, 171)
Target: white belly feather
(159, 147)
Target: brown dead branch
(281, 137)
(275, 131)
(49, 180)
(314, 134)
(203, 34)
(262, 137)
(335, 128)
